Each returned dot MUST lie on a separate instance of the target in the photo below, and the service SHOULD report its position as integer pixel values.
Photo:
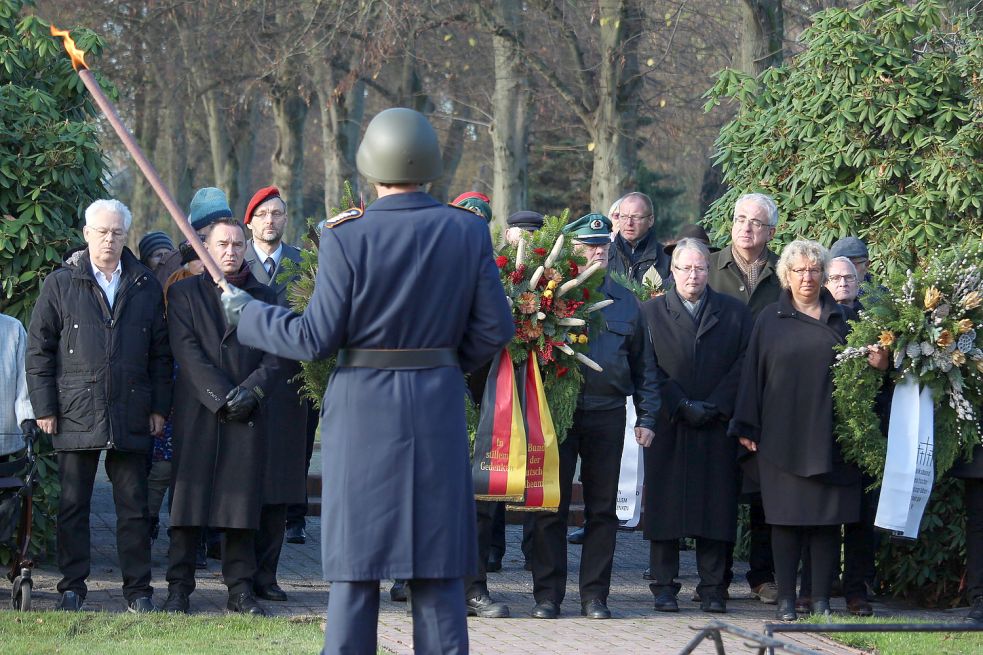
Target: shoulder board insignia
(470, 210)
(343, 217)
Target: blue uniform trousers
(439, 617)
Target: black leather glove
(29, 428)
(696, 413)
(239, 404)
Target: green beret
(592, 229)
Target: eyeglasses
(633, 219)
(808, 272)
(275, 213)
(836, 279)
(753, 222)
(691, 270)
(104, 232)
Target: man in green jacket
(746, 269)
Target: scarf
(238, 279)
(750, 271)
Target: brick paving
(635, 628)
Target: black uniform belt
(398, 359)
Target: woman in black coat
(691, 476)
(971, 473)
(784, 413)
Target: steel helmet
(399, 147)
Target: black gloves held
(239, 404)
(696, 413)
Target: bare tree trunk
(224, 168)
(761, 36)
(342, 105)
(510, 118)
(451, 152)
(144, 204)
(613, 131)
(289, 115)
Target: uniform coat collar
(401, 201)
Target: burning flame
(78, 56)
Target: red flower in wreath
(561, 371)
(586, 294)
(540, 251)
(518, 275)
(574, 269)
(501, 261)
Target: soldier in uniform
(408, 296)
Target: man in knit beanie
(207, 206)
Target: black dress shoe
(546, 609)
(70, 602)
(397, 593)
(270, 592)
(577, 536)
(245, 603)
(666, 602)
(295, 534)
(713, 605)
(177, 603)
(595, 609)
(786, 610)
(976, 611)
(820, 607)
(141, 605)
(494, 565)
(485, 608)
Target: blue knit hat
(208, 205)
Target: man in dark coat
(691, 473)
(99, 374)
(971, 473)
(635, 250)
(408, 295)
(287, 457)
(220, 426)
(621, 348)
(746, 271)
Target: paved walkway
(634, 629)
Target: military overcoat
(218, 465)
(409, 274)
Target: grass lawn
(31, 633)
(905, 643)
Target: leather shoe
(295, 534)
(820, 607)
(70, 602)
(141, 605)
(493, 565)
(666, 602)
(398, 592)
(177, 603)
(545, 609)
(713, 605)
(485, 608)
(595, 609)
(577, 536)
(767, 593)
(245, 603)
(270, 592)
(786, 610)
(859, 607)
(975, 614)
(697, 598)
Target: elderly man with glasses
(746, 271)
(635, 250)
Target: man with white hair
(842, 281)
(99, 375)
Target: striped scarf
(750, 270)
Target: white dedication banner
(629, 504)
(909, 468)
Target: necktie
(270, 266)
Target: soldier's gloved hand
(233, 302)
(695, 413)
(239, 404)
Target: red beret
(471, 194)
(258, 199)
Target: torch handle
(150, 173)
